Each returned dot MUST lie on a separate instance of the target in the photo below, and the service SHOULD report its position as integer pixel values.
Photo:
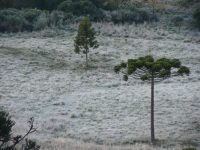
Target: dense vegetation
(23, 15)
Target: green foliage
(117, 68)
(183, 70)
(85, 38)
(125, 78)
(161, 68)
(144, 77)
(6, 125)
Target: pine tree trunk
(152, 111)
(86, 54)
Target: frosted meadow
(42, 77)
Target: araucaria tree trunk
(152, 111)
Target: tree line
(52, 4)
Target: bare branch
(32, 129)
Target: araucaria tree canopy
(148, 69)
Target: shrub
(31, 14)
(31, 145)
(12, 20)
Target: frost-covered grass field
(42, 77)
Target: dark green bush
(31, 145)
(12, 20)
(31, 14)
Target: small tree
(7, 140)
(148, 69)
(85, 38)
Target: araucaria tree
(85, 38)
(151, 70)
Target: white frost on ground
(41, 77)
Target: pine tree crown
(85, 38)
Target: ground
(42, 77)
